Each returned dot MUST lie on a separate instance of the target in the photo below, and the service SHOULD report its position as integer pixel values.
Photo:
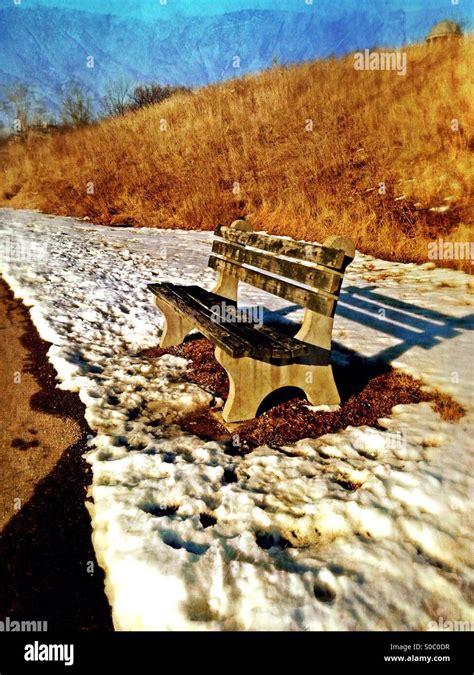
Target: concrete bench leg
(251, 381)
(176, 327)
(322, 389)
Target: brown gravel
(369, 390)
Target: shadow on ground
(48, 569)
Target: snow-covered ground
(395, 554)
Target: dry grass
(447, 408)
(368, 128)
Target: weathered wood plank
(278, 345)
(324, 280)
(237, 339)
(259, 344)
(283, 289)
(227, 285)
(290, 344)
(192, 309)
(329, 257)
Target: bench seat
(237, 339)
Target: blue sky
(153, 8)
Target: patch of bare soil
(48, 570)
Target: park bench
(259, 359)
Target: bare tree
(149, 94)
(77, 107)
(116, 100)
(20, 103)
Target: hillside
(248, 147)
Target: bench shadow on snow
(411, 325)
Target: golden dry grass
(242, 148)
(447, 408)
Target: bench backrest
(305, 273)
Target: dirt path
(48, 569)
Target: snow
(191, 537)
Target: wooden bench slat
(324, 280)
(274, 344)
(252, 341)
(286, 341)
(211, 329)
(237, 339)
(284, 289)
(329, 257)
(259, 343)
